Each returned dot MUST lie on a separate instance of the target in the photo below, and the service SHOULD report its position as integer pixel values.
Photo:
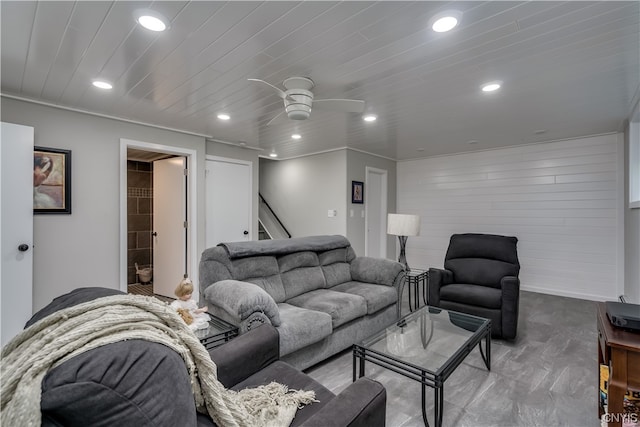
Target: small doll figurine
(185, 303)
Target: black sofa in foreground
(142, 383)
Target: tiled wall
(139, 217)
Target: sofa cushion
(341, 306)
(301, 280)
(475, 295)
(127, 380)
(296, 380)
(487, 272)
(300, 327)
(297, 260)
(377, 297)
(337, 273)
(333, 256)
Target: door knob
(245, 232)
(23, 247)
(154, 234)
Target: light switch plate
(331, 213)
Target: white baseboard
(562, 293)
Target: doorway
(375, 223)
(143, 211)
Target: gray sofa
(314, 290)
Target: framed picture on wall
(357, 192)
(51, 181)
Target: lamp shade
(403, 225)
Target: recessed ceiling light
(296, 136)
(102, 84)
(224, 116)
(491, 87)
(540, 131)
(420, 149)
(445, 21)
(273, 155)
(473, 141)
(151, 20)
(370, 118)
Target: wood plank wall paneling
(559, 198)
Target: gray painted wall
(356, 165)
(302, 190)
(631, 231)
(82, 249)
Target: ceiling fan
(298, 99)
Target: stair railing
(274, 215)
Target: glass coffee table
(426, 346)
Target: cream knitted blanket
(69, 332)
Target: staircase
(269, 225)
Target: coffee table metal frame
(422, 375)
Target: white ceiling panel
(570, 68)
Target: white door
(228, 201)
(376, 213)
(169, 218)
(16, 175)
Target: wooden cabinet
(620, 350)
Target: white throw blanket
(69, 332)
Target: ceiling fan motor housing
(297, 104)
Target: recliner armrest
(246, 354)
(362, 404)
(510, 286)
(438, 278)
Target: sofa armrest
(380, 271)
(246, 354)
(438, 278)
(362, 404)
(240, 300)
(510, 302)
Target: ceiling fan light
(370, 118)
(296, 136)
(101, 84)
(298, 115)
(151, 20)
(224, 116)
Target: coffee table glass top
(428, 338)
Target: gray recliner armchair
(480, 277)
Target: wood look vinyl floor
(548, 376)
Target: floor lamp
(403, 226)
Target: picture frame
(357, 192)
(51, 181)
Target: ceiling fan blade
(279, 91)
(342, 105)
(278, 119)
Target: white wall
(561, 199)
(632, 219)
(357, 163)
(82, 249)
(302, 190)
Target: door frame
(192, 205)
(241, 162)
(383, 208)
